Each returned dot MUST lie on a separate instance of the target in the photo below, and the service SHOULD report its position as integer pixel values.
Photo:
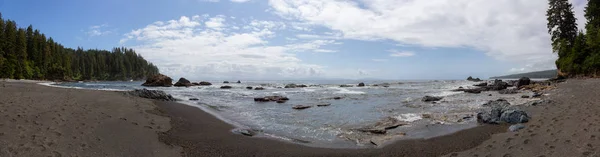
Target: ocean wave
(347, 91)
(409, 117)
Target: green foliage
(562, 24)
(28, 54)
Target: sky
(307, 39)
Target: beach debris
(249, 87)
(272, 98)
(225, 81)
(194, 99)
(516, 127)
(500, 111)
(473, 79)
(226, 87)
(431, 98)
(523, 81)
(383, 125)
(259, 88)
(301, 107)
(204, 83)
(247, 132)
(345, 85)
(183, 83)
(151, 94)
(361, 84)
(525, 96)
(159, 80)
(509, 91)
(323, 105)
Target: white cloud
(98, 30)
(396, 53)
(507, 30)
(187, 48)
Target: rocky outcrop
(239, 81)
(159, 80)
(204, 83)
(259, 88)
(183, 83)
(250, 88)
(431, 98)
(151, 94)
(473, 79)
(483, 84)
(523, 81)
(346, 86)
(301, 107)
(271, 98)
(226, 87)
(498, 85)
(195, 83)
(225, 81)
(290, 86)
(361, 84)
(500, 111)
(509, 91)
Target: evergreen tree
(3, 69)
(562, 25)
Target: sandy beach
(45, 121)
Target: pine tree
(562, 25)
(10, 36)
(22, 71)
(3, 69)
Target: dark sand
(45, 121)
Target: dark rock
(516, 127)
(259, 88)
(278, 99)
(537, 95)
(361, 84)
(195, 84)
(426, 115)
(249, 87)
(183, 83)
(194, 99)
(262, 99)
(226, 87)
(431, 98)
(301, 107)
(346, 86)
(498, 85)
(460, 87)
(225, 81)
(337, 98)
(151, 94)
(481, 84)
(500, 111)
(239, 81)
(246, 132)
(490, 95)
(281, 101)
(323, 105)
(509, 91)
(290, 86)
(204, 83)
(159, 80)
(523, 81)
(525, 96)
(302, 86)
(473, 79)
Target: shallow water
(334, 125)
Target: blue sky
(294, 39)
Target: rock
(509, 91)
(301, 107)
(460, 87)
(239, 81)
(337, 98)
(290, 86)
(278, 99)
(249, 87)
(516, 127)
(537, 95)
(481, 84)
(261, 100)
(302, 86)
(203, 83)
(159, 80)
(490, 95)
(537, 87)
(383, 125)
(259, 88)
(246, 132)
(474, 90)
(281, 101)
(346, 86)
(226, 87)
(323, 105)
(151, 94)
(183, 83)
(195, 84)
(498, 85)
(194, 99)
(426, 115)
(500, 111)
(225, 81)
(361, 84)
(523, 81)
(525, 96)
(514, 116)
(473, 79)
(431, 98)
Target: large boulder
(159, 80)
(500, 111)
(226, 87)
(290, 86)
(361, 84)
(473, 79)
(498, 85)
(151, 94)
(431, 98)
(483, 84)
(523, 81)
(183, 83)
(204, 83)
(509, 91)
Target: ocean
(334, 126)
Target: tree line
(26, 53)
(578, 51)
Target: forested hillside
(537, 74)
(25, 53)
